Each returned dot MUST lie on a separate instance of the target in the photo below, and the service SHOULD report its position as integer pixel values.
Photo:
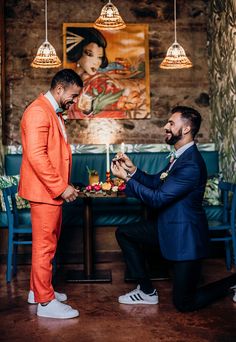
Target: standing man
(182, 230)
(44, 182)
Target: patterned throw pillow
(5, 182)
(212, 192)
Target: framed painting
(114, 66)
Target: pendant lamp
(109, 18)
(46, 56)
(175, 57)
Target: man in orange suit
(44, 181)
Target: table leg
(89, 274)
(88, 238)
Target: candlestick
(108, 157)
(122, 147)
(108, 177)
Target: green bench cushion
(116, 211)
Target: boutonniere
(164, 175)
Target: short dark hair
(66, 77)
(91, 35)
(190, 114)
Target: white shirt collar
(182, 149)
(51, 99)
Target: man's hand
(118, 170)
(127, 164)
(70, 194)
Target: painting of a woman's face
(114, 68)
(91, 58)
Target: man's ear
(186, 129)
(59, 88)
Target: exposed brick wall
(25, 31)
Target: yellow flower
(106, 186)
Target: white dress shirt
(180, 151)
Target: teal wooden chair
(16, 231)
(225, 230)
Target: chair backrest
(233, 208)
(228, 194)
(9, 195)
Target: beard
(174, 137)
(66, 104)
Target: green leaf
(105, 100)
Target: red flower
(121, 187)
(97, 187)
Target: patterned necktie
(172, 156)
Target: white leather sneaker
(56, 309)
(137, 296)
(234, 296)
(61, 297)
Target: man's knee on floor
(183, 304)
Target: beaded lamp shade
(175, 57)
(46, 56)
(109, 18)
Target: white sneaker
(61, 297)
(56, 309)
(234, 289)
(139, 297)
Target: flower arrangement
(114, 186)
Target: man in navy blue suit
(181, 230)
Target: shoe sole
(34, 303)
(138, 303)
(47, 316)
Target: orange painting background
(130, 45)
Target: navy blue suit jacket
(182, 223)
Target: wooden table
(89, 273)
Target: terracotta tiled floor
(102, 319)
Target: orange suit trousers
(46, 227)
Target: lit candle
(122, 147)
(108, 157)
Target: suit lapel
(183, 156)
(49, 108)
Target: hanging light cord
(46, 20)
(175, 20)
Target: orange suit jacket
(46, 161)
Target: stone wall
(25, 31)
(222, 31)
(2, 63)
